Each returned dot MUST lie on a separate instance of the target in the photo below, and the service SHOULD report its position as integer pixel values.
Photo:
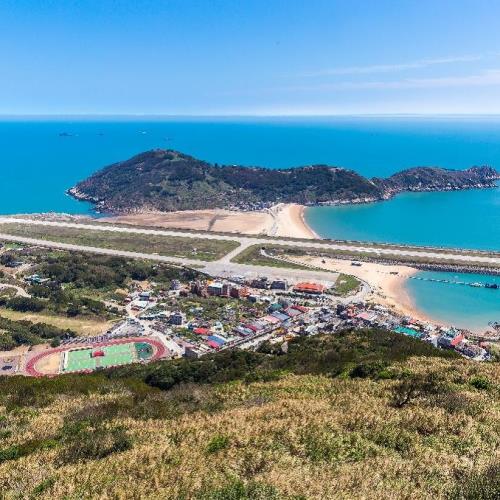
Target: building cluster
(286, 311)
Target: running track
(160, 351)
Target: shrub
(43, 486)
(237, 490)
(481, 383)
(417, 386)
(326, 445)
(21, 450)
(218, 443)
(368, 370)
(26, 304)
(477, 485)
(84, 441)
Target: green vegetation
(252, 255)
(76, 293)
(168, 180)
(107, 273)
(16, 333)
(346, 284)
(173, 246)
(318, 422)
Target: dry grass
(175, 246)
(304, 436)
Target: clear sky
(249, 57)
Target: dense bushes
(168, 180)
(15, 333)
(106, 272)
(24, 304)
(88, 440)
(357, 353)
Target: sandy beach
(387, 282)
(280, 220)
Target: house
(450, 338)
(273, 320)
(312, 288)
(175, 285)
(261, 283)
(177, 318)
(36, 279)
(367, 316)
(279, 285)
(201, 331)
(239, 293)
(215, 289)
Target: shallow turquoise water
(466, 219)
(457, 305)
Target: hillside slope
(167, 180)
(364, 414)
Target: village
(201, 316)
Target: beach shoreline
(283, 219)
(387, 283)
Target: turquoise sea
(465, 306)
(38, 164)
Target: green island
(168, 180)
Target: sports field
(100, 357)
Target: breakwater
(474, 284)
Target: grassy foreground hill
(167, 180)
(359, 414)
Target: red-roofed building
(201, 331)
(314, 288)
(213, 344)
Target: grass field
(252, 256)
(172, 246)
(346, 284)
(118, 354)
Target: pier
(491, 286)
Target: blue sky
(249, 57)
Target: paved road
(245, 242)
(218, 268)
(21, 292)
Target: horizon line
(239, 115)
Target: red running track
(159, 352)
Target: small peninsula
(167, 180)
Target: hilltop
(358, 414)
(167, 180)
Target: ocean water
(38, 164)
(465, 219)
(458, 305)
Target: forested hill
(167, 180)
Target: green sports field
(119, 354)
